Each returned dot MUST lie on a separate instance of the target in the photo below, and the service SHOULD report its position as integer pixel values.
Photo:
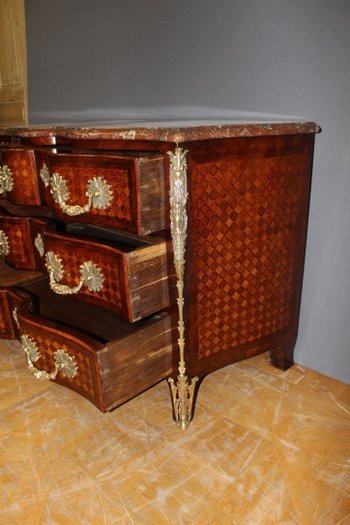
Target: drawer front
(121, 192)
(108, 365)
(54, 353)
(133, 283)
(16, 241)
(18, 176)
(63, 260)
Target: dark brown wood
(11, 277)
(25, 211)
(21, 233)
(9, 300)
(282, 357)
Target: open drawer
(125, 274)
(117, 271)
(90, 350)
(9, 299)
(125, 191)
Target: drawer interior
(123, 241)
(93, 321)
(112, 359)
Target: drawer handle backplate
(90, 276)
(98, 192)
(4, 243)
(6, 179)
(64, 362)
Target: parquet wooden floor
(265, 447)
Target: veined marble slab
(166, 130)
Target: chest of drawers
(117, 239)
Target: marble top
(175, 131)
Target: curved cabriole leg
(182, 389)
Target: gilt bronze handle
(98, 192)
(90, 276)
(64, 362)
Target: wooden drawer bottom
(89, 350)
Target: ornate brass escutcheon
(39, 244)
(6, 179)
(4, 243)
(45, 175)
(90, 276)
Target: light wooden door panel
(13, 64)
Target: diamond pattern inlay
(78, 177)
(73, 255)
(244, 225)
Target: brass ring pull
(6, 179)
(64, 362)
(4, 243)
(90, 276)
(98, 192)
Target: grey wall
(199, 57)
